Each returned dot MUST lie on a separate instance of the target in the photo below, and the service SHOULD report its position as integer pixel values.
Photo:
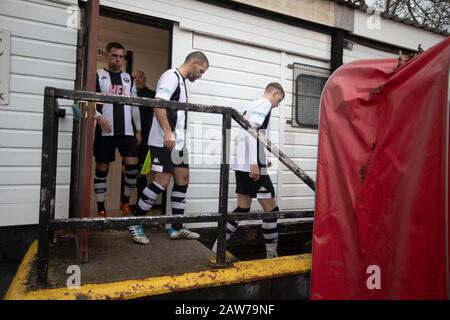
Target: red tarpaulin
(380, 224)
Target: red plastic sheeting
(380, 200)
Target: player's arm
(136, 115)
(101, 120)
(161, 116)
(253, 154)
(166, 87)
(256, 119)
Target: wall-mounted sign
(100, 52)
(5, 48)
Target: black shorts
(164, 160)
(259, 189)
(105, 148)
(143, 148)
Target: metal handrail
(47, 223)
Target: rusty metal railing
(47, 222)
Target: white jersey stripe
(171, 86)
(258, 114)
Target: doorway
(148, 47)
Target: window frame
(305, 70)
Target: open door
(148, 44)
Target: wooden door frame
(82, 140)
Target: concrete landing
(242, 280)
(113, 256)
(121, 269)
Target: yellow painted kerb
(17, 289)
(240, 272)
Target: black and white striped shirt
(171, 86)
(118, 115)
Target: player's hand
(104, 124)
(254, 172)
(169, 140)
(269, 163)
(138, 137)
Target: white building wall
(394, 33)
(300, 144)
(237, 75)
(43, 53)
(245, 54)
(360, 52)
(228, 24)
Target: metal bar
(74, 161)
(123, 222)
(223, 190)
(274, 150)
(147, 102)
(48, 182)
(138, 101)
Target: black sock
(178, 200)
(140, 186)
(100, 188)
(270, 229)
(148, 198)
(101, 206)
(131, 173)
(231, 226)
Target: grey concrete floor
(113, 256)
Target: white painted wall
(360, 52)
(43, 53)
(300, 144)
(149, 45)
(228, 24)
(237, 75)
(245, 53)
(394, 33)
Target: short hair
(139, 71)
(275, 86)
(198, 56)
(114, 45)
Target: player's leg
(142, 179)
(130, 180)
(180, 160)
(244, 202)
(104, 149)
(101, 172)
(161, 172)
(161, 177)
(266, 198)
(243, 205)
(129, 151)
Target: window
(308, 85)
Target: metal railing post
(48, 182)
(223, 191)
(47, 222)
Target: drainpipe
(337, 49)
